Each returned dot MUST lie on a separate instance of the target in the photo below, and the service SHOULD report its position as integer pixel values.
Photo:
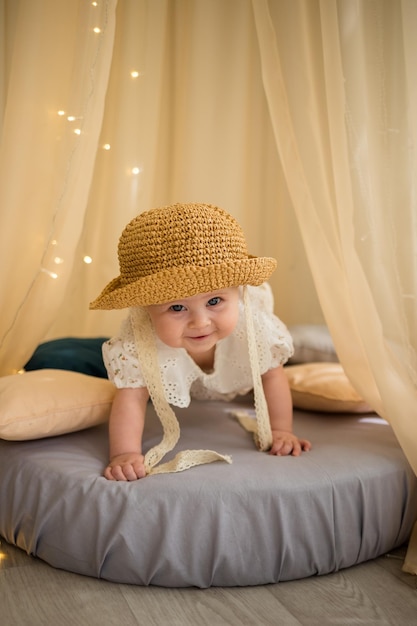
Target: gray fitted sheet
(262, 519)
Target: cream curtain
(345, 128)
(55, 64)
(295, 115)
(339, 79)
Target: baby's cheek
(169, 334)
(234, 320)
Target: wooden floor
(377, 592)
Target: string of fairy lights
(75, 120)
(52, 259)
(77, 130)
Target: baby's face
(197, 323)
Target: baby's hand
(285, 443)
(128, 466)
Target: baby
(201, 325)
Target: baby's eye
(214, 301)
(177, 308)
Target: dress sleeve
(120, 358)
(273, 339)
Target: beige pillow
(43, 403)
(324, 387)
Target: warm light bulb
(135, 170)
(71, 118)
(134, 74)
(94, 4)
(87, 259)
(58, 260)
(51, 274)
(97, 29)
(61, 112)
(77, 131)
(106, 146)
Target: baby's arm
(127, 419)
(278, 398)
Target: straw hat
(178, 251)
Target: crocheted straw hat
(178, 251)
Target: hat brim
(183, 282)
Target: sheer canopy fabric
(295, 115)
(338, 79)
(56, 68)
(344, 132)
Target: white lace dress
(231, 376)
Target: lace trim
(263, 433)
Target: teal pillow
(77, 354)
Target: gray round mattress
(263, 519)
